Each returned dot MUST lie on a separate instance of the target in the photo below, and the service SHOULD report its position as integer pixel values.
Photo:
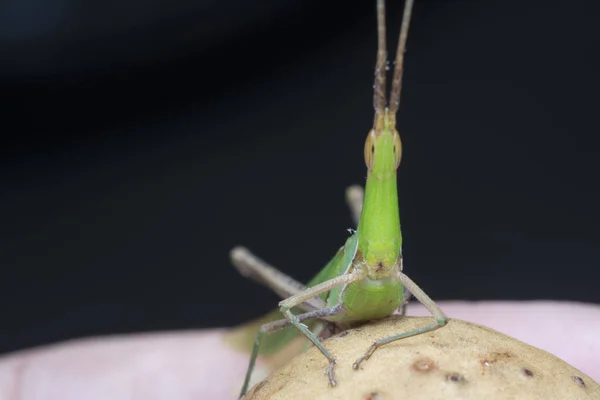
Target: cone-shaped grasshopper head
(380, 239)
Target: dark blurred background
(142, 140)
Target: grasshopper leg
(280, 324)
(419, 294)
(405, 298)
(390, 339)
(441, 319)
(284, 285)
(287, 304)
(355, 195)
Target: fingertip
(155, 366)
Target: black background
(141, 141)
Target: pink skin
(198, 365)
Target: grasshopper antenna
(399, 67)
(379, 97)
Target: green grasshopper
(364, 280)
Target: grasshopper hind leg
(258, 270)
(355, 195)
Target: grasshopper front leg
(280, 324)
(286, 305)
(440, 317)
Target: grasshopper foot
(366, 356)
(330, 371)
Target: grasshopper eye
(370, 149)
(397, 149)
